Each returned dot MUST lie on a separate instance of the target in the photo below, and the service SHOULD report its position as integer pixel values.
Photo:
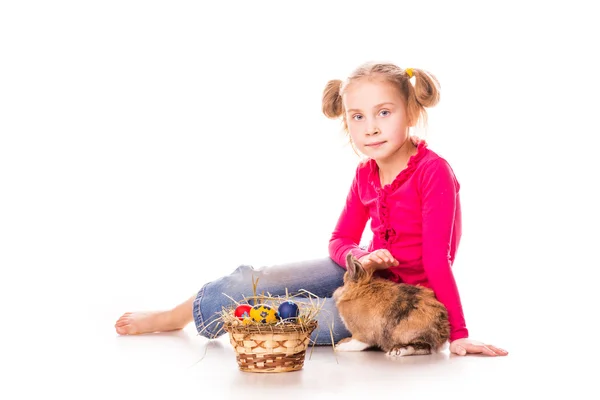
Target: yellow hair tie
(409, 72)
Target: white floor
(82, 357)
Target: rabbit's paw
(407, 351)
(349, 344)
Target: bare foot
(148, 322)
(156, 321)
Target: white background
(147, 147)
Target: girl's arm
(350, 226)
(439, 195)
(440, 206)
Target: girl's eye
(384, 113)
(357, 117)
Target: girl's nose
(373, 130)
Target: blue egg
(288, 311)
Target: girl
(409, 193)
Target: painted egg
(263, 313)
(288, 311)
(242, 311)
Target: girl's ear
(412, 117)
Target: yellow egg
(263, 313)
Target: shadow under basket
(275, 348)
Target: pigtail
(424, 94)
(332, 99)
(426, 89)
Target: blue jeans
(320, 277)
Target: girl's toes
(123, 330)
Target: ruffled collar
(406, 173)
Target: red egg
(242, 311)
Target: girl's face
(376, 118)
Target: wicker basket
(276, 348)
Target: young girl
(409, 193)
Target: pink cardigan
(417, 218)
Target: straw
(272, 347)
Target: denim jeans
(319, 276)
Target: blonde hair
(424, 93)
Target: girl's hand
(378, 259)
(466, 346)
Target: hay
(272, 347)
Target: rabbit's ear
(354, 267)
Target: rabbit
(398, 318)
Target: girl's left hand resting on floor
(465, 346)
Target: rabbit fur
(398, 318)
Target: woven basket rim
(306, 327)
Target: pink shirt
(417, 218)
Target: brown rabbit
(400, 319)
